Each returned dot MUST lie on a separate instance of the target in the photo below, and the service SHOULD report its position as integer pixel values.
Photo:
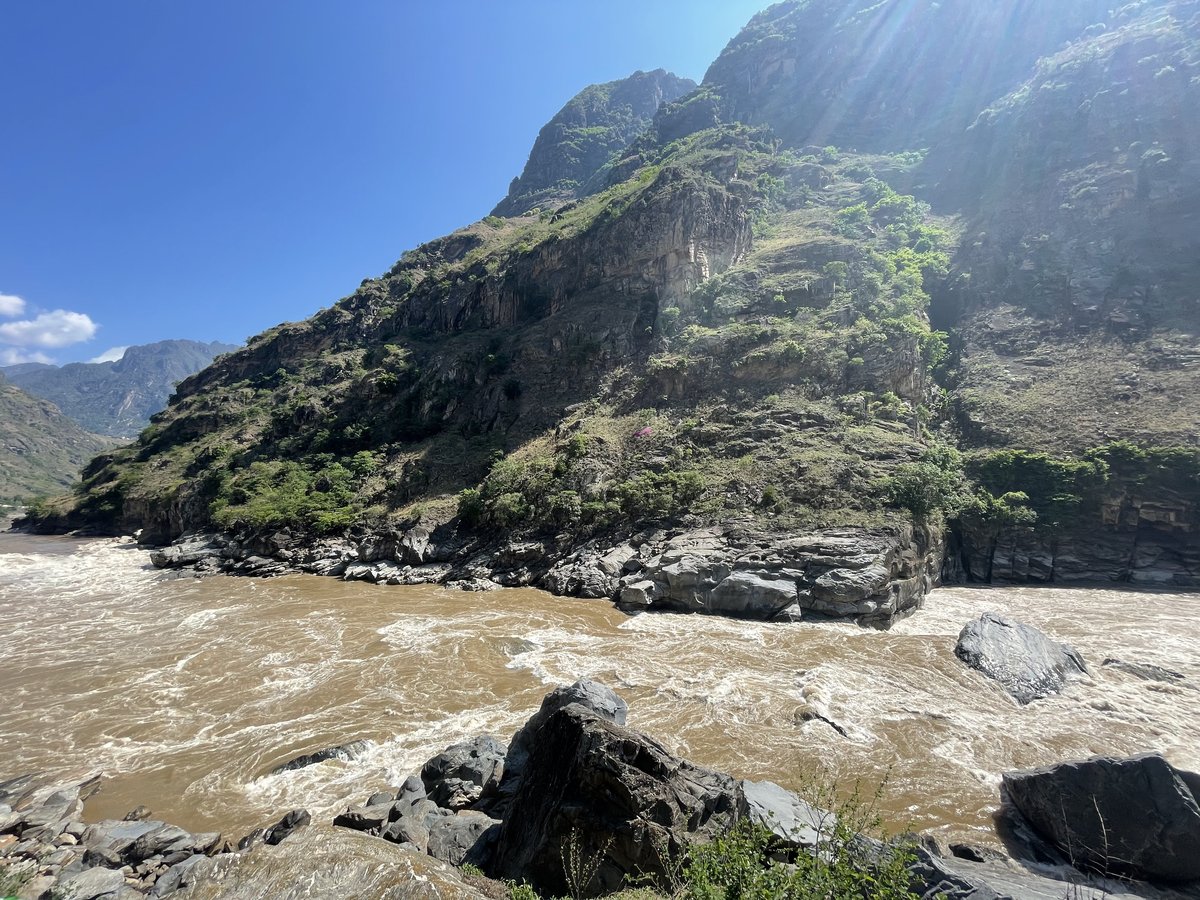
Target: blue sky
(209, 169)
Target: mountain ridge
(41, 450)
(117, 398)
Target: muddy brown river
(185, 693)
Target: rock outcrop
(872, 577)
(869, 578)
(1025, 662)
(594, 789)
(47, 847)
(1136, 817)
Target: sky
(206, 169)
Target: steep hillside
(41, 450)
(713, 383)
(117, 398)
(596, 123)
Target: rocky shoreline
(869, 577)
(575, 782)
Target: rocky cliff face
(733, 332)
(575, 145)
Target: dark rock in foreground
(592, 787)
(578, 784)
(1136, 817)
(1020, 658)
(458, 776)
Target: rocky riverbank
(578, 802)
(870, 577)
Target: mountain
(903, 290)
(583, 136)
(41, 450)
(117, 398)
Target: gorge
(888, 324)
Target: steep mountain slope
(725, 355)
(596, 123)
(877, 75)
(118, 398)
(41, 450)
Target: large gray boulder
(1136, 816)
(457, 777)
(594, 790)
(1020, 658)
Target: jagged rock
(1020, 658)
(870, 578)
(138, 814)
(345, 751)
(408, 829)
(753, 596)
(412, 789)
(459, 775)
(611, 792)
(284, 828)
(186, 551)
(178, 876)
(1136, 816)
(599, 698)
(955, 878)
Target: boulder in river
(1020, 658)
(1136, 816)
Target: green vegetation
(992, 491)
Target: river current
(186, 692)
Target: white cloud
(59, 328)
(16, 357)
(11, 305)
(110, 355)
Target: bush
(935, 484)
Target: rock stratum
(830, 304)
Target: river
(186, 692)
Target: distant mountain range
(41, 450)
(117, 398)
